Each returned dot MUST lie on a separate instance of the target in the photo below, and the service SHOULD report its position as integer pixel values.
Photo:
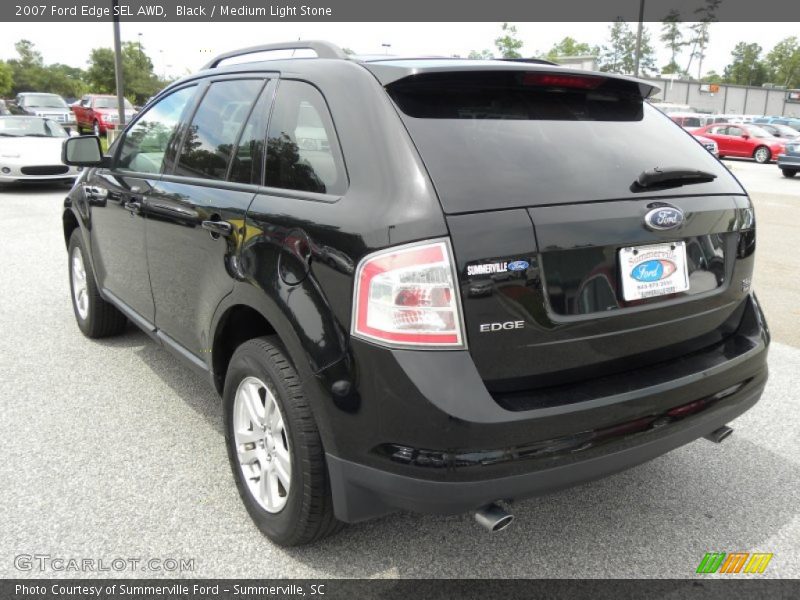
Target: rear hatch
(537, 172)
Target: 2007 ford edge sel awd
(424, 284)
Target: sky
(180, 48)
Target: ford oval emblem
(663, 218)
(518, 265)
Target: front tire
(762, 155)
(96, 318)
(788, 172)
(274, 446)
(96, 129)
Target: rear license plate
(655, 270)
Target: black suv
(423, 284)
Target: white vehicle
(30, 150)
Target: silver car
(30, 150)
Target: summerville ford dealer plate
(654, 270)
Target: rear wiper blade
(672, 176)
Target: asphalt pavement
(113, 449)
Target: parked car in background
(789, 163)
(744, 141)
(780, 131)
(30, 150)
(792, 122)
(48, 106)
(688, 120)
(709, 144)
(4, 108)
(96, 113)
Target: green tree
(28, 69)
(783, 62)
(672, 36)
(6, 79)
(707, 14)
(619, 56)
(746, 67)
(482, 55)
(612, 57)
(509, 44)
(30, 74)
(712, 77)
(569, 47)
(139, 79)
(647, 56)
(63, 80)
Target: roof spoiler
(547, 75)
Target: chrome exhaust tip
(493, 518)
(718, 435)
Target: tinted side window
(302, 150)
(145, 143)
(249, 157)
(215, 127)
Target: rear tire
(788, 172)
(96, 318)
(96, 129)
(762, 155)
(267, 419)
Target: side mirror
(83, 151)
(745, 136)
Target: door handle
(134, 206)
(218, 228)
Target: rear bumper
(361, 492)
(432, 439)
(787, 161)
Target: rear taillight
(406, 296)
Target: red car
(96, 113)
(747, 141)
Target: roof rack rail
(322, 48)
(537, 61)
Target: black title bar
(391, 11)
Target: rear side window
(512, 139)
(211, 137)
(249, 156)
(302, 150)
(146, 141)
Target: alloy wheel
(262, 444)
(80, 292)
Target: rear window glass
(503, 140)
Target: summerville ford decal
(497, 267)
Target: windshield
(44, 101)
(110, 103)
(30, 127)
